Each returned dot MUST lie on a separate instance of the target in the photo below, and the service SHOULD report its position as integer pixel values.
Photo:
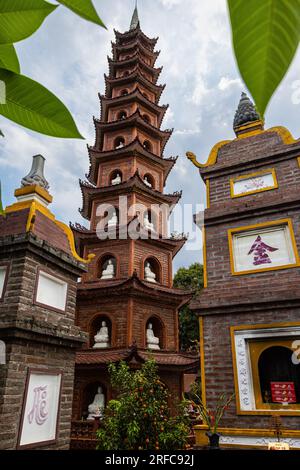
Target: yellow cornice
(259, 432)
(34, 189)
(34, 206)
(283, 132)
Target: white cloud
(68, 55)
(226, 83)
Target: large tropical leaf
(21, 18)
(265, 36)
(33, 106)
(85, 9)
(8, 58)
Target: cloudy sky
(69, 56)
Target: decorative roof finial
(245, 112)
(135, 22)
(36, 174)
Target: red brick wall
(219, 376)
(143, 311)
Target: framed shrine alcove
(266, 358)
(276, 376)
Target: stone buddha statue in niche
(120, 145)
(116, 180)
(109, 271)
(102, 337)
(113, 220)
(152, 340)
(96, 408)
(147, 224)
(150, 276)
(147, 182)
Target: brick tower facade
(250, 308)
(128, 288)
(39, 269)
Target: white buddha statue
(102, 337)
(96, 408)
(113, 220)
(120, 145)
(147, 224)
(109, 271)
(147, 182)
(152, 341)
(116, 180)
(150, 276)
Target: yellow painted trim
(34, 189)
(205, 279)
(70, 236)
(202, 361)
(212, 156)
(253, 175)
(266, 412)
(283, 132)
(256, 348)
(250, 125)
(19, 206)
(259, 432)
(207, 194)
(34, 206)
(287, 222)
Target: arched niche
(158, 330)
(147, 145)
(95, 326)
(146, 118)
(149, 180)
(155, 267)
(275, 365)
(119, 142)
(105, 272)
(122, 114)
(88, 394)
(150, 220)
(116, 177)
(124, 92)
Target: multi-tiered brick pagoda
(127, 299)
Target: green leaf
(33, 106)
(85, 9)
(21, 18)
(8, 58)
(265, 38)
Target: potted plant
(211, 418)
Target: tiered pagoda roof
(82, 235)
(133, 184)
(136, 61)
(135, 120)
(135, 148)
(136, 46)
(163, 358)
(135, 76)
(135, 95)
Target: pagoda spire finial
(135, 22)
(36, 174)
(245, 112)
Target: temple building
(249, 311)
(126, 301)
(39, 268)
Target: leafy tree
(23, 100)
(139, 417)
(189, 278)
